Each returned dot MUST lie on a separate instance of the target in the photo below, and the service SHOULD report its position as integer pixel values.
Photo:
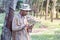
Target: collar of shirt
(21, 16)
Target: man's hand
(29, 27)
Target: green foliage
(46, 37)
(19, 4)
(44, 3)
(58, 1)
(0, 30)
(34, 1)
(37, 25)
(2, 17)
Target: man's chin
(23, 15)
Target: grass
(2, 16)
(0, 30)
(49, 34)
(49, 24)
(37, 25)
(45, 37)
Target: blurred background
(48, 14)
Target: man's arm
(17, 26)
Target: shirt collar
(21, 16)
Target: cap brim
(26, 9)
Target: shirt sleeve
(16, 25)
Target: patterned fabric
(6, 34)
(19, 23)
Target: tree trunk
(9, 6)
(53, 9)
(9, 18)
(41, 9)
(46, 9)
(51, 15)
(57, 15)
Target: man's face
(24, 12)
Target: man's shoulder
(16, 16)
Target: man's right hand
(29, 27)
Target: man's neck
(21, 15)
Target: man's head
(23, 12)
(25, 8)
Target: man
(20, 25)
